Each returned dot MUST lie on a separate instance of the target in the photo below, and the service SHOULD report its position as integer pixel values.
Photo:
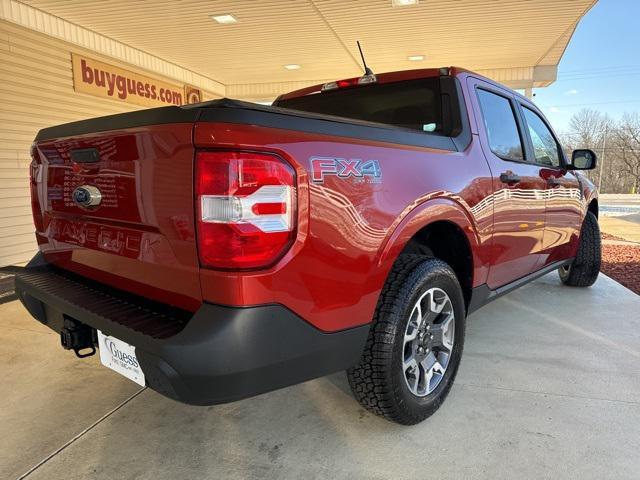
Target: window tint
(545, 147)
(500, 123)
(413, 104)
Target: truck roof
(399, 76)
(387, 77)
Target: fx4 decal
(364, 170)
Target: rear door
(564, 198)
(519, 189)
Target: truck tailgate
(140, 236)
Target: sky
(600, 68)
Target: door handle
(509, 178)
(553, 182)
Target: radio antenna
(367, 70)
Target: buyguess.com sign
(105, 80)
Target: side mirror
(583, 159)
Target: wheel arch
(441, 228)
(593, 207)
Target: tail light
(35, 174)
(245, 208)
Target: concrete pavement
(548, 388)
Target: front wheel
(584, 269)
(415, 343)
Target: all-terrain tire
(584, 269)
(378, 381)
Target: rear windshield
(413, 104)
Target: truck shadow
(287, 433)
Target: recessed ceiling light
(403, 3)
(416, 58)
(292, 66)
(224, 19)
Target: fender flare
(592, 196)
(428, 212)
(589, 193)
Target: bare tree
(588, 128)
(619, 152)
(628, 145)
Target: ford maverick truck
(217, 251)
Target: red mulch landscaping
(622, 263)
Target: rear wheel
(415, 343)
(584, 269)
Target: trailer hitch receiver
(77, 336)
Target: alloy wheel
(428, 342)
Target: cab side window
(500, 124)
(545, 148)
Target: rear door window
(412, 104)
(500, 124)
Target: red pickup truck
(221, 250)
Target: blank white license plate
(121, 357)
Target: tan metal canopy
(518, 42)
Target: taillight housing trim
(246, 208)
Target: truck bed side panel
(331, 276)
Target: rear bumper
(218, 354)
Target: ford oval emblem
(87, 196)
